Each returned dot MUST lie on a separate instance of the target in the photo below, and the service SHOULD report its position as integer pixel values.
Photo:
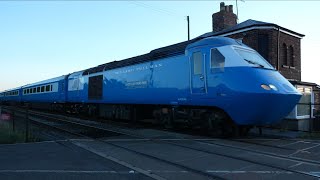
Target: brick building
(278, 45)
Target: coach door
(198, 73)
(95, 90)
(62, 91)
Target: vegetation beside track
(313, 135)
(7, 136)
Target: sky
(45, 39)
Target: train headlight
(265, 87)
(273, 87)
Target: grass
(7, 136)
(313, 135)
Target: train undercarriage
(211, 120)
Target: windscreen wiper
(255, 63)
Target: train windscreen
(254, 58)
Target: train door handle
(201, 77)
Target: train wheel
(166, 121)
(166, 118)
(218, 123)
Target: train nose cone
(263, 108)
(277, 107)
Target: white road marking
(106, 156)
(245, 172)
(87, 171)
(295, 165)
(63, 171)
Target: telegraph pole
(188, 27)
(237, 11)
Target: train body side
(156, 82)
(48, 91)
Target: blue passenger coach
(48, 91)
(11, 96)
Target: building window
(291, 56)
(263, 46)
(303, 107)
(285, 54)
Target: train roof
(215, 42)
(12, 89)
(46, 81)
(75, 74)
(167, 51)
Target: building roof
(249, 25)
(296, 82)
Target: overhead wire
(157, 9)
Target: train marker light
(265, 87)
(273, 87)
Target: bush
(7, 136)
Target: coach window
(34, 90)
(197, 63)
(38, 89)
(48, 88)
(27, 91)
(217, 59)
(42, 88)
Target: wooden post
(188, 21)
(27, 126)
(13, 124)
(311, 120)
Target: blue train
(217, 82)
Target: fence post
(13, 123)
(27, 126)
(311, 121)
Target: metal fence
(310, 114)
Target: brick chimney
(223, 19)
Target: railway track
(206, 146)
